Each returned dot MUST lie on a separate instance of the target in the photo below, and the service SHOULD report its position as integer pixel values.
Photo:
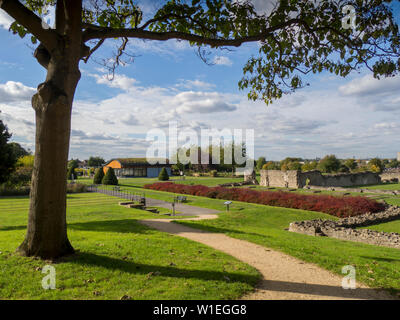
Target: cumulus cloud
(222, 60)
(13, 91)
(120, 81)
(201, 102)
(5, 20)
(387, 125)
(308, 124)
(296, 125)
(131, 120)
(379, 95)
(194, 84)
(368, 85)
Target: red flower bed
(337, 206)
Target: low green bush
(98, 177)
(76, 188)
(110, 178)
(163, 176)
(7, 190)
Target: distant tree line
(328, 164)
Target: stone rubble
(344, 229)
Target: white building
(398, 156)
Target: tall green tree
(73, 163)
(329, 164)
(18, 150)
(297, 37)
(96, 162)
(260, 162)
(7, 155)
(351, 164)
(376, 165)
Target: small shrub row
(76, 188)
(108, 179)
(337, 206)
(7, 191)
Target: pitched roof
(127, 162)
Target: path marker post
(227, 203)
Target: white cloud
(378, 95)
(5, 20)
(201, 102)
(222, 60)
(131, 120)
(15, 91)
(120, 81)
(387, 125)
(368, 85)
(309, 123)
(194, 84)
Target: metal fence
(117, 192)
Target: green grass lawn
(377, 267)
(386, 186)
(116, 257)
(392, 226)
(140, 182)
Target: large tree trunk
(46, 236)
(47, 229)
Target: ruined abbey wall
(391, 175)
(298, 179)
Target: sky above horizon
(356, 116)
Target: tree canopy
(295, 38)
(96, 162)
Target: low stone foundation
(360, 190)
(250, 178)
(344, 228)
(236, 184)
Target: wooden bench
(181, 199)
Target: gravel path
(284, 277)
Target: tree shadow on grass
(212, 229)
(86, 258)
(381, 259)
(325, 290)
(120, 226)
(11, 228)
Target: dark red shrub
(336, 206)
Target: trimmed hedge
(163, 176)
(25, 190)
(110, 178)
(98, 177)
(336, 206)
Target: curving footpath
(284, 277)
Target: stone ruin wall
(345, 229)
(250, 178)
(278, 178)
(338, 180)
(297, 179)
(390, 176)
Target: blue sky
(356, 116)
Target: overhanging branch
(104, 33)
(31, 22)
